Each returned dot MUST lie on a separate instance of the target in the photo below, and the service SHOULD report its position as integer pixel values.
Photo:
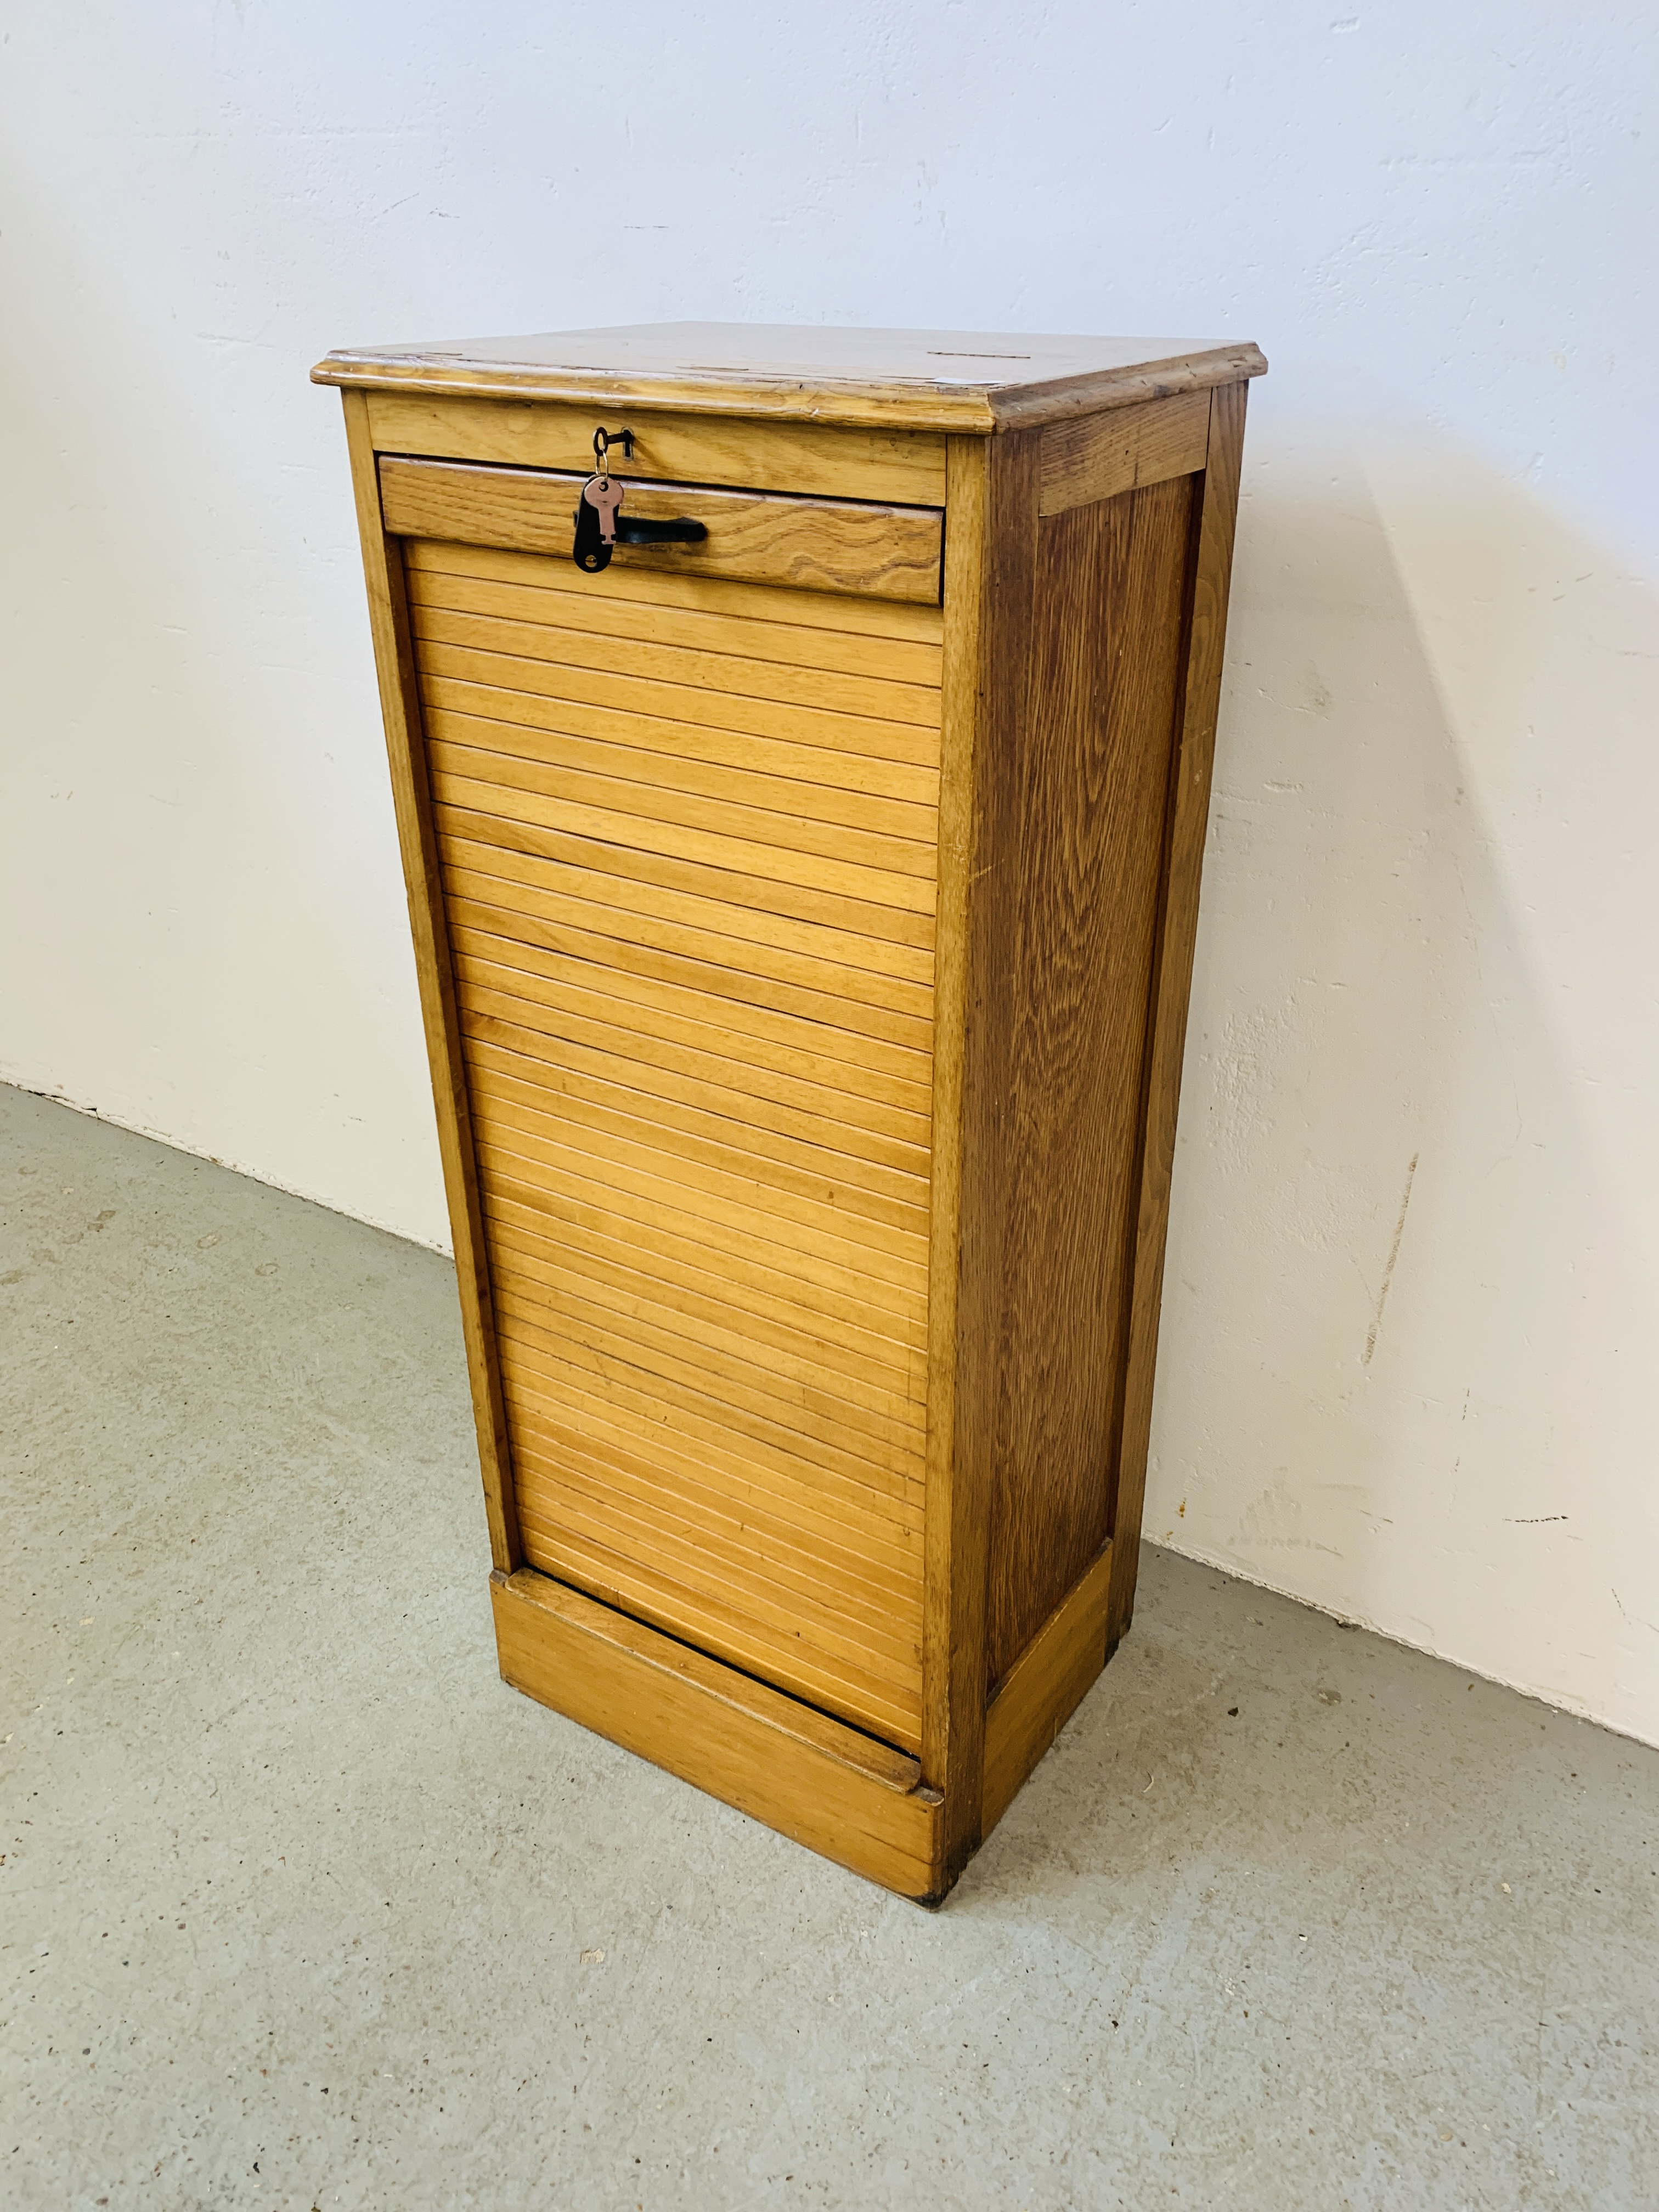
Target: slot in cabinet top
(967, 382)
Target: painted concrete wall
(1410, 1325)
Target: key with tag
(596, 523)
(596, 510)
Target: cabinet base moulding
(839, 1793)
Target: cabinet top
(968, 381)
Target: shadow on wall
(1409, 1308)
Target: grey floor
(303, 1908)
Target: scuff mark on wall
(1387, 1272)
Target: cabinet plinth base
(842, 1793)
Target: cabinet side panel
(1003, 586)
(1188, 823)
(388, 613)
(1081, 850)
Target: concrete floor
(302, 1907)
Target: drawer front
(854, 546)
(687, 831)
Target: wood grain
(843, 1334)
(882, 627)
(1044, 1688)
(904, 467)
(639, 1111)
(643, 710)
(992, 610)
(759, 974)
(828, 1786)
(836, 1186)
(965, 382)
(859, 548)
(1102, 455)
(1187, 823)
(663, 610)
(901, 942)
(699, 650)
(1079, 868)
(394, 661)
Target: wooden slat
(679, 1079)
(618, 694)
(696, 1281)
(571, 1314)
(877, 1687)
(718, 1337)
(878, 1134)
(879, 1705)
(883, 1533)
(793, 1043)
(865, 463)
(549, 633)
(834, 1086)
(1098, 456)
(899, 944)
(561, 601)
(865, 620)
(760, 1565)
(595, 1541)
(894, 1279)
(864, 549)
(835, 769)
(544, 1376)
(786, 1270)
(869, 969)
(492, 795)
(823, 1296)
(806, 818)
(753, 973)
(830, 1788)
(839, 1180)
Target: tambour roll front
(800, 743)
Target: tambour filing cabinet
(803, 905)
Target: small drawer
(852, 546)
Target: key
(596, 524)
(605, 494)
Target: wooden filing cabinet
(805, 920)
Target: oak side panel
(854, 1801)
(1044, 1688)
(1104, 454)
(388, 615)
(1188, 823)
(1079, 857)
(1003, 587)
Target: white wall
(1431, 934)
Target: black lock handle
(634, 530)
